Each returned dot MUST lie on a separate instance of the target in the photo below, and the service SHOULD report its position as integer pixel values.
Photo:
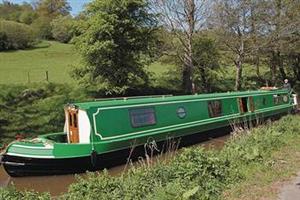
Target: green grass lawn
(158, 68)
(54, 57)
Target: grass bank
(264, 180)
(196, 173)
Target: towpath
(291, 190)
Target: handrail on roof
(133, 97)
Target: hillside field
(24, 66)
(54, 57)
(30, 66)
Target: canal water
(59, 184)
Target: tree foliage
(53, 8)
(15, 35)
(62, 28)
(115, 42)
(47, 11)
(39, 15)
(23, 13)
(42, 28)
(206, 62)
(31, 111)
(183, 18)
(260, 32)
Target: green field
(158, 68)
(28, 66)
(24, 66)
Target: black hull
(21, 166)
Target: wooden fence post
(47, 76)
(28, 77)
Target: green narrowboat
(94, 131)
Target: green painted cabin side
(112, 125)
(112, 121)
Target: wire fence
(24, 76)
(16, 76)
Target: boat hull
(21, 166)
(17, 166)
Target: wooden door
(243, 104)
(241, 107)
(73, 126)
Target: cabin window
(278, 99)
(70, 119)
(243, 104)
(75, 120)
(142, 117)
(215, 108)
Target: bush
(62, 28)
(3, 41)
(42, 28)
(15, 35)
(11, 193)
(34, 110)
(297, 87)
(27, 17)
(194, 173)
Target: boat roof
(107, 102)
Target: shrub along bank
(14, 35)
(194, 173)
(27, 111)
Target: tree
(62, 28)
(52, 8)
(23, 13)
(27, 17)
(42, 27)
(115, 42)
(183, 18)
(233, 22)
(47, 10)
(282, 25)
(206, 61)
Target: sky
(77, 5)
